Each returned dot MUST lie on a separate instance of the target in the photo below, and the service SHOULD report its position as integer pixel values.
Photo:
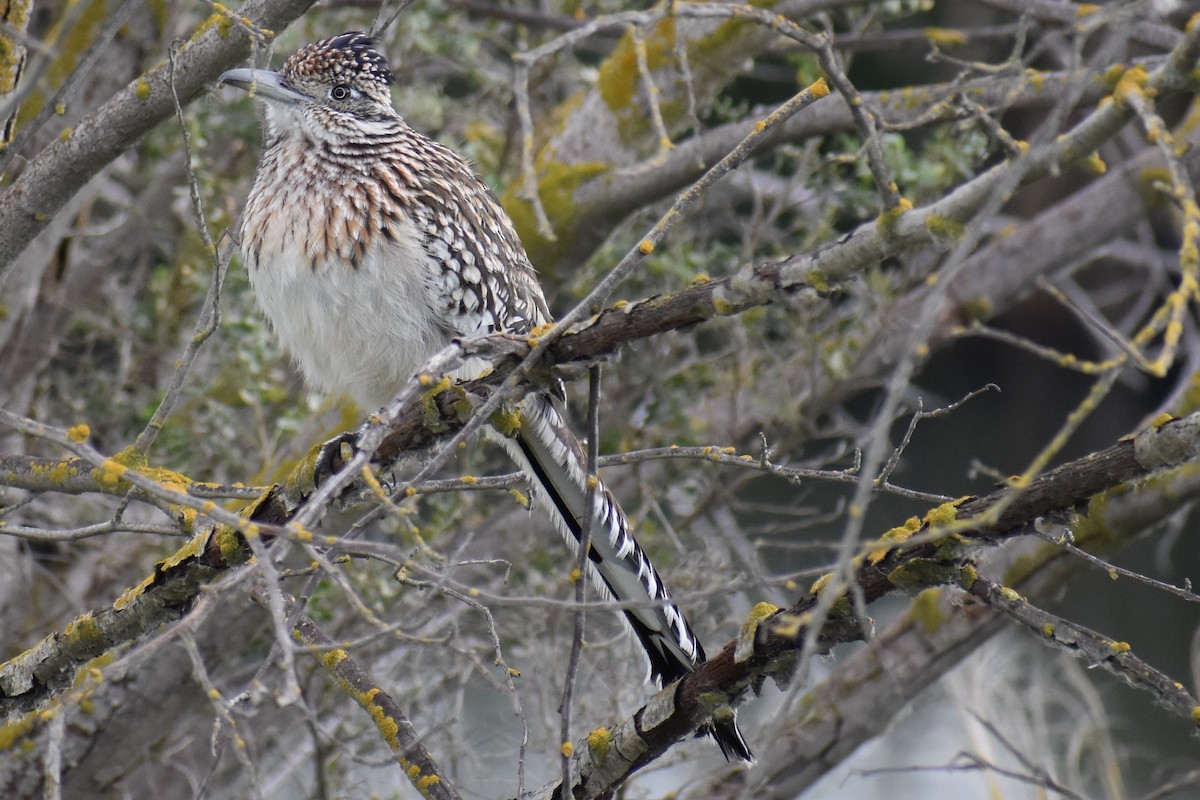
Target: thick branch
(399, 734)
(63, 168)
(678, 710)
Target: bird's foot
(331, 456)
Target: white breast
(356, 331)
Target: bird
(370, 247)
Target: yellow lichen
(1095, 164)
(193, 548)
(1161, 419)
(1009, 594)
(598, 742)
(886, 222)
(1133, 83)
(978, 309)
(944, 228)
(507, 420)
(15, 731)
(567, 749)
(817, 280)
(926, 609)
(788, 626)
(556, 187)
(230, 544)
(946, 513)
(383, 721)
(84, 630)
(723, 306)
(132, 593)
(757, 614)
(945, 37)
(331, 658)
(820, 583)
(620, 79)
(893, 537)
(429, 405)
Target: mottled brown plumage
(370, 246)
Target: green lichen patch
(926, 609)
(556, 186)
(917, 574)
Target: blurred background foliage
(95, 318)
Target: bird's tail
(554, 460)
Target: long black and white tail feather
(554, 460)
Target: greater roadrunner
(371, 246)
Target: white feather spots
(622, 566)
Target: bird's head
(324, 86)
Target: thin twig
(529, 181)
(210, 313)
(581, 568)
(398, 733)
(920, 414)
(1065, 542)
(219, 706)
(1095, 648)
(652, 95)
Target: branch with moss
(55, 174)
(941, 628)
(393, 725)
(1159, 465)
(1093, 647)
(588, 188)
(698, 303)
(910, 558)
(216, 547)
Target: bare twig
(581, 568)
(210, 314)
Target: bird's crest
(349, 58)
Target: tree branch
(940, 555)
(62, 169)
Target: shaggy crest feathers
(349, 58)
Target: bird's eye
(340, 92)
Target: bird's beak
(265, 84)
